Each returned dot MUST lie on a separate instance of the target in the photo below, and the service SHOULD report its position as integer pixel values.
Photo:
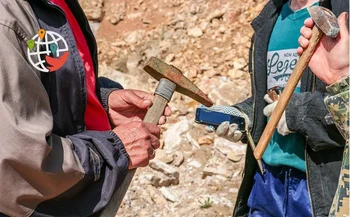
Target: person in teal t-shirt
(283, 188)
(287, 149)
(301, 165)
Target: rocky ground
(194, 173)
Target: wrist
(339, 86)
(338, 76)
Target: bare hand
(140, 140)
(126, 106)
(330, 62)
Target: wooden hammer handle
(156, 110)
(287, 93)
(152, 116)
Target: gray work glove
(282, 127)
(225, 129)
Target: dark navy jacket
(101, 154)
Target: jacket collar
(271, 8)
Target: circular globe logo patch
(47, 51)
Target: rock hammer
(326, 23)
(170, 80)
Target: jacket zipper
(94, 55)
(307, 180)
(305, 153)
(253, 80)
(254, 90)
(313, 83)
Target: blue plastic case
(213, 118)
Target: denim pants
(281, 192)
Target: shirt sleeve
(338, 105)
(105, 87)
(306, 114)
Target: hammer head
(325, 20)
(159, 69)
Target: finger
(141, 159)
(210, 129)
(153, 129)
(300, 51)
(150, 150)
(237, 136)
(144, 162)
(223, 128)
(139, 101)
(303, 42)
(309, 23)
(167, 111)
(269, 109)
(155, 143)
(282, 127)
(268, 99)
(306, 32)
(152, 156)
(231, 130)
(162, 120)
(343, 24)
(143, 94)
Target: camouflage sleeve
(340, 205)
(338, 105)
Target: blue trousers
(281, 192)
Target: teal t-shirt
(281, 59)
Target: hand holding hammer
(326, 24)
(170, 79)
(330, 61)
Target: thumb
(343, 21)
(269, 109)
(137, 101)
(223, 128)
(268, 99)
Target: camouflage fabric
(340, 205)
(338, 105)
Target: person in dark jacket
(330, 63)
(303, 159)
(67, 137)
